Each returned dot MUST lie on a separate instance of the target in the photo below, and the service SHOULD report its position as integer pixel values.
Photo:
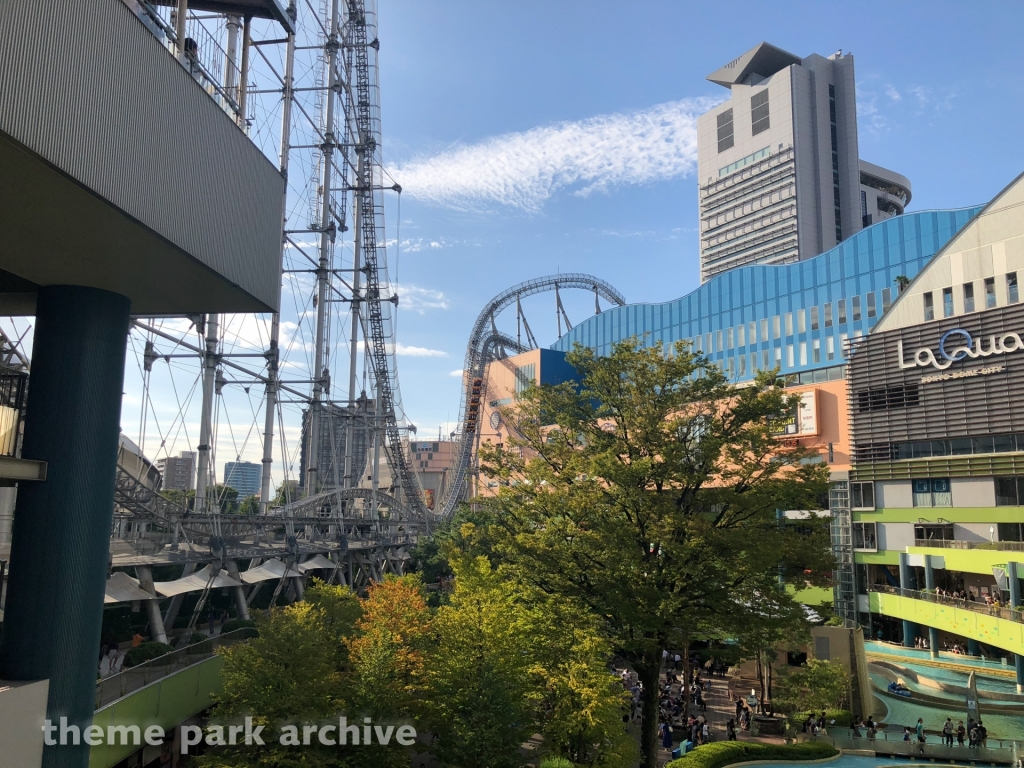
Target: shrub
(199, 643)
(843, 718)
(722, 753)
(232, 624)
(145, 652)
(556, 762)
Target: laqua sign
(958, 345)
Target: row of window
(759, 121)
(935, 492)
(958, 446)
(785, 358)
(772, 328)
(989, 287)
(835, 161)
(865, 534)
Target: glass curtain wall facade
(794, 316)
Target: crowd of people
(974, 733)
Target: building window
(862, 495)
(729, 368)
(830, 347)
(776, 330)
(752, 333)
(1011, 531)
(814, 318)
(929, 306)
(864, 537)
(816, 351)
(803, 353)
(789, 356)
(835, 161)
(718, 341)
(842, 311)
(743, 365)
(828, 315)
(728, 338)
(1009, 492)
(741, 336)
(778, 357)
(759, 112)
(926, 535)
(525, 377)
(968, 297)
(871, 304)
(1011, 288)
(886, 299)
(801, 323)
(725, 134)
(789, 324)
(990, 292)
(707, 343)
(855, 306)
(947, 302)
(764, 328)
(765, 358)
(932, 492)
(888, 398)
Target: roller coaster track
(486, 345)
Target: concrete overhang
(119, 171)
(763, 59)
(257, 9)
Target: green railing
(120, 685)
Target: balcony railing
(1010, 614)
(890, 742)
(1002, 546)
(120, 685)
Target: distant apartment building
(244, 477)
(779, 171)
(179, 472)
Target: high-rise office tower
(779, 171)
(179, 472)
(244, 477)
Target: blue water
(984, 682)
(846, 761)
(915, 653)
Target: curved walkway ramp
(165, 691)
(956, 617)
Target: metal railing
(120, 685)
(890, 742)
(1010, 614)
(1003, 546)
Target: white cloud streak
(419, 300)
(523, 170)
(408, 351)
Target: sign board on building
(802, 421)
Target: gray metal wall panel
(976, 406)
(89, 89)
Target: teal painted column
(929, 584)
(61, 535)
(1013, 576)
(907, 582)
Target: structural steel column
(243, 607)
(1013, 576)
(61, 533)
(929, 584)
(156, 619)
(907, 582)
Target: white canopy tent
(122, 588)
(196, 582)
(316, 563)
(272, 569)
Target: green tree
(293, 673)
(647, 493)
(774, 623)
(250, 505)
(818, 685)
(478, 684)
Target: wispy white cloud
(892, 93)
(408, 351)
(419, 300)
(457, 373)
(523, 170)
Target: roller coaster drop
(366, 530)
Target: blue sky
(522, 135)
